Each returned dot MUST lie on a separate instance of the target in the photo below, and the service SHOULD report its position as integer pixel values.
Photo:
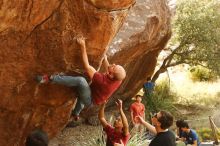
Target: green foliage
(98, 141)
(137, 139)
(199, 73)
(160, 99)
(205, 134)
(196, 29)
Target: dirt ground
(84, 133)
(76, 136)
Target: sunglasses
(155, 115)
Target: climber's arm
(89, 69)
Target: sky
(172, 3)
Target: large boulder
(143, 36)
(38, 37)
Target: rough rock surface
(38, 37)
(144, 34)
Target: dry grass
(194, 93)
(197, 100)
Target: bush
(137, 139)
(200, 74)
(97, 141)
(160, 99)
(205, 134)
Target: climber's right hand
(81, 41)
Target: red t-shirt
(114, 137)
(102, 87)
(138, 110)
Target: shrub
(160, 99)
(205, 134)
(137, 139)
(200, 74)
(97, 141)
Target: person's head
(118, 123)
(116, 72)
(37, 138)
(162, 120)
(179, 123)
(184, 126)
(138, 98)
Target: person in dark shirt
(179, 131)
(161, 122)
(148, 87)
(37, 138)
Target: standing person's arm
(132, 116)
(144, 115)
(144, 112)
(89, 69)
(123, 117)
(101, 116)
(148, 125)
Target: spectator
(37, 138)
(179, 131)
(161, 122)
(148, 87)
(137, 109)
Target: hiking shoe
(72, 124)
(43, 79)
(75, 117)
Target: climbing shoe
(72, 124)
(43, 79)
(74, 121)
(76, 118)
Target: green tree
(196, 36)
(200, 74)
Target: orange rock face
(112, 4)
(38, 37)
(144, 34)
